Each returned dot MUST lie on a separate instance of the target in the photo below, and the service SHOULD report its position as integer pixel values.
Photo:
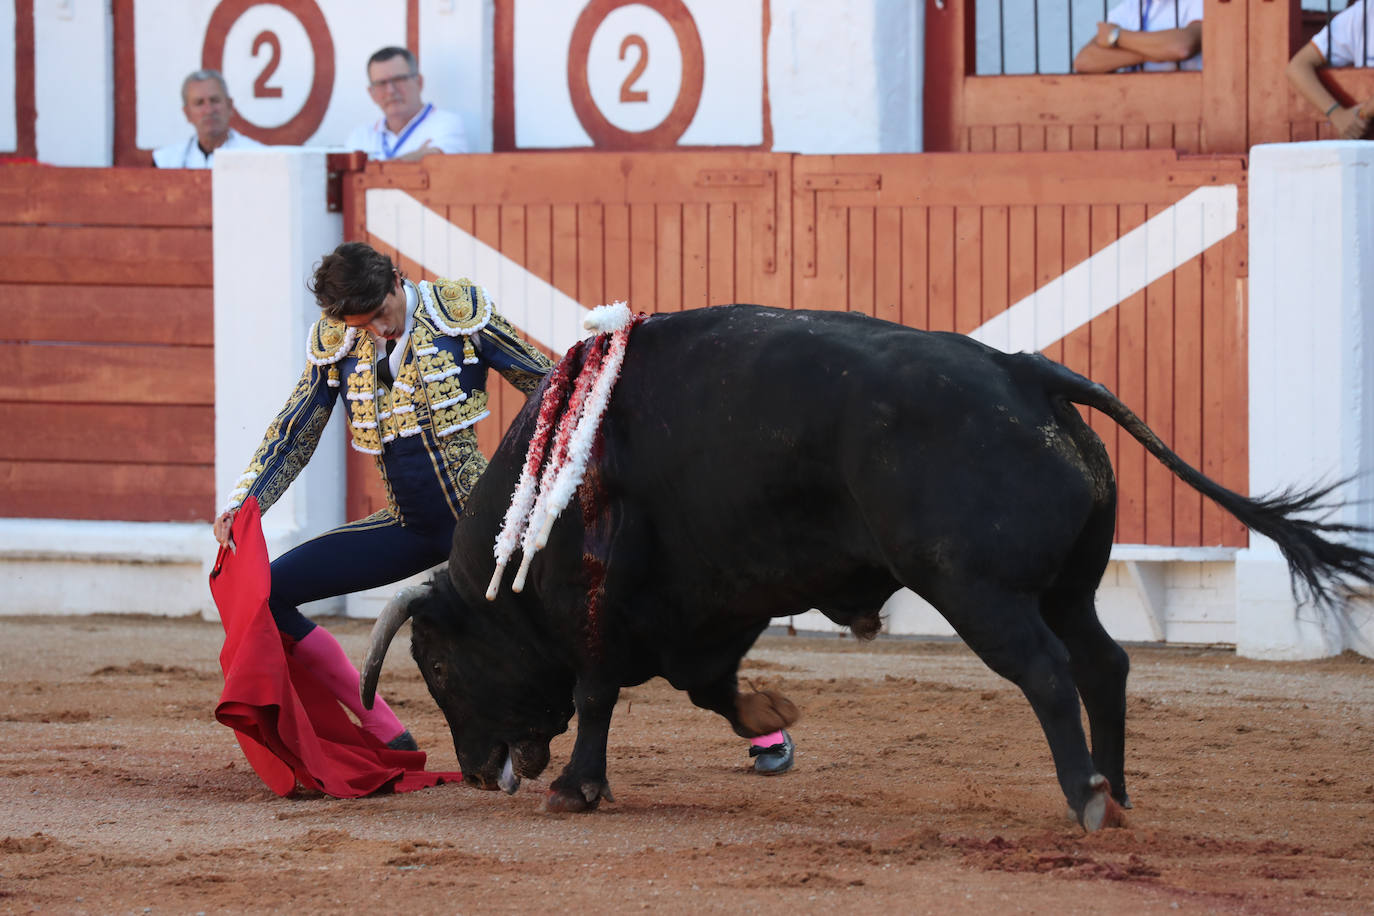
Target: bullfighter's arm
(518, 361)
(291, 437)
(289, 442)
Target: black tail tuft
(1324, 571)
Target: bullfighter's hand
(1104, 30)
(222, 526)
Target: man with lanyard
(1145, 35)
(409, 128)
(205, 102)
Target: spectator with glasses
(409, 128)
(1343, 43)
(1145, 35)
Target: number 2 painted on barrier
(260, 88)
(627, 91)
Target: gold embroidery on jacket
(464, 462)
(361, 392)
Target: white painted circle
(294, 73)
(607, 74)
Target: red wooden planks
(115, 492)
(105, 433)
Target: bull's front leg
(582, 784)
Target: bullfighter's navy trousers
(373, 551)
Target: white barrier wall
(9, 126)
(1311, 372)
(73, 50)
(846, 78)
(272, 225)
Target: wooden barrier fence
(945, 242)
(106, 330)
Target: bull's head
(504, 697)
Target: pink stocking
(321, 653)
(767, 740)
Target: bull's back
(762, 446)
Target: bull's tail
(1324, 568)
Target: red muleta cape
(291, 728)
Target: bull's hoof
(588, 798)
(1101, 810)
(765, 711)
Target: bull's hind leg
(1006, 631)
(1099, 668)
(758, 712)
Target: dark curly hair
(353, 279)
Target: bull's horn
(396, 612)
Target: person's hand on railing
(1349, 123)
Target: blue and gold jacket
(438, 394)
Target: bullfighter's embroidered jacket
(438, 394)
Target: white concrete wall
(456, 59)
(846, 78)
(57, 566)
(1311, 371)
(9, 126)
(842, 78)
(73, 82)
(271, 226)
(1180, 601)
(168, 38)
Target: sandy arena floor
(923, 784)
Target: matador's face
(388, 320)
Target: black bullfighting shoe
(774, 759)
(405, 741)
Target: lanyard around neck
(388, 150)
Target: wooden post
(1225, 59)
(1274, 32)
(949, 53)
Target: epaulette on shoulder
(329, 341)
(457, 307)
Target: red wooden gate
(934, 241)
(950, 241)
(663, 231)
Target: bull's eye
(438, 669)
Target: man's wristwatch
(1114, 36)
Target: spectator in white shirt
(1345, 40)
(1145, 35)
(205, 102)
(409, 129)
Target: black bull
(755, 463)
